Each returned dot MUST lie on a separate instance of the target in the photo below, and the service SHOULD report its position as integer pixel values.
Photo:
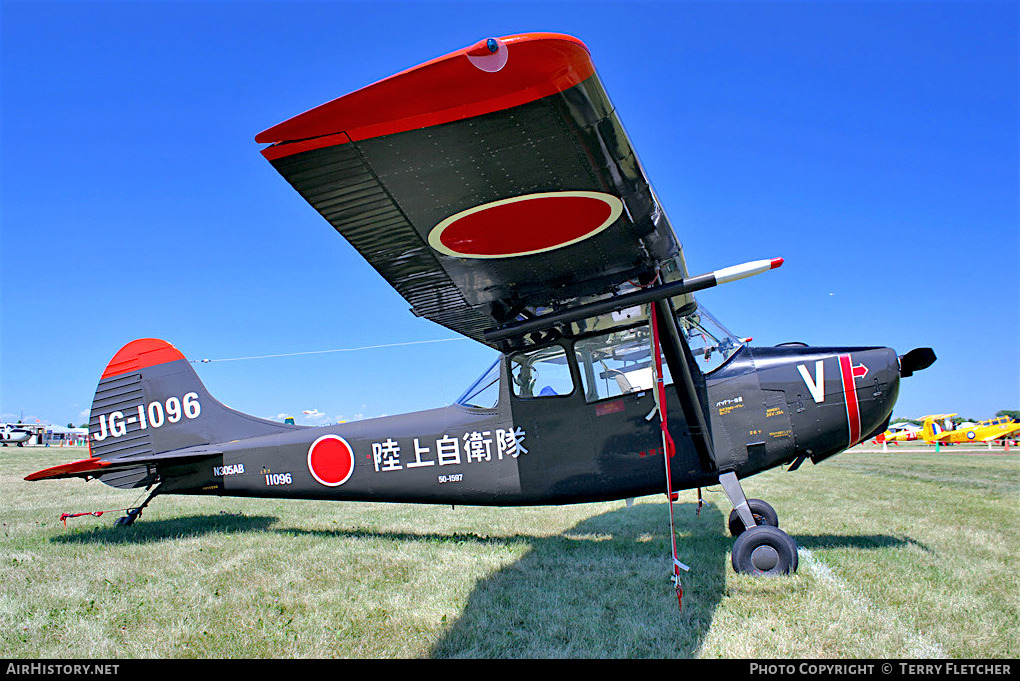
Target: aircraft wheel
(764, 550)
(762, 512)
(129, 519)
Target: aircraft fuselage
(766, 407)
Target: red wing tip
(410, 99)
(82, 467)
(776, 262)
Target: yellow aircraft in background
(902, 432)
(935, 426)
(983, 431)
(939, 429)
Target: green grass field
(902, 556)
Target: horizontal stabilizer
(95, 467)
(76, 469)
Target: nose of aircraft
(838, 396)
(875, 374)
(876, 394)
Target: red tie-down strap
(668, 448)
(65, 516)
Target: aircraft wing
(485, 185)
(1007, 432)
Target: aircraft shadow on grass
(601, 588)
(864, 542)
(569, 595)
(604, 586)
(146, 531)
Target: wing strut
(679, 358)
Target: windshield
(484, 392)
(711, 343)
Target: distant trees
(1011, 413)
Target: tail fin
(150, 406)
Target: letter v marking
(816, 386)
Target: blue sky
(873, 145)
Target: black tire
(762, 512)
(129, 519)
(764, 551)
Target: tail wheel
(764, 550)
(762, 512)
(130, 518)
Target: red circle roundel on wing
(331, 460)
(525, 225)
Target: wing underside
(524, 198)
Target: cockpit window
(483, 393)
(610, 364)
(616, 363)
(541, 373)
(711, 343)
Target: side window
(617, 363)
(541, 373)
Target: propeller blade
(916, 360)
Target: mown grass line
(902, 556)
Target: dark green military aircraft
(496, 190)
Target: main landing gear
(760, 548)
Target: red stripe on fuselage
(853, 411)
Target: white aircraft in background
(12, 434)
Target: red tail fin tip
(141, 353)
